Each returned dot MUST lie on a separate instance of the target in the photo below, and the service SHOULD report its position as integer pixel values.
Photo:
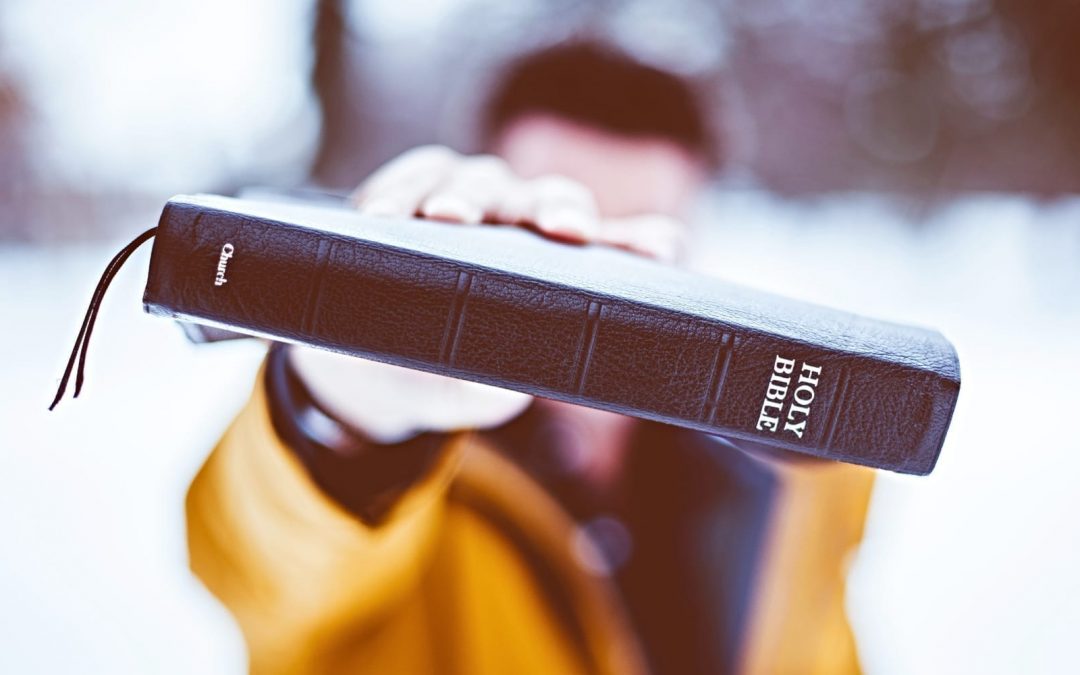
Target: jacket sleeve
(292, 564)
(799, 621)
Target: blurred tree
(1051, 31)
(918, 96)
(1002, 80)
(925, 97)
(330, 77)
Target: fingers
(562, 208)
(471, 193)
(657, 236)
(399, 187)
(436, 182)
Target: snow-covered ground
(972, 569)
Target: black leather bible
(589, 325)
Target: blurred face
(628, 176)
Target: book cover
(589, 325)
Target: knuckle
(487, 163)
(555, 184)
(483, 174)
(432, 152)
(420, 159)
(552, 189)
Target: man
(358, 517)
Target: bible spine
(609, 351)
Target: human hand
(390, 403)
(437, 183)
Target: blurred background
(913, 160)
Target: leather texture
(585, 324)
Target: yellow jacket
(472, 571)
